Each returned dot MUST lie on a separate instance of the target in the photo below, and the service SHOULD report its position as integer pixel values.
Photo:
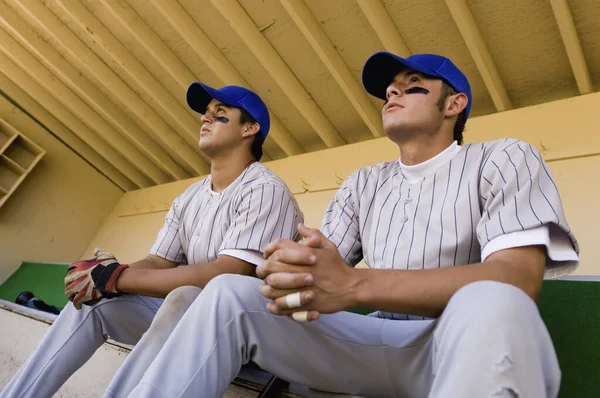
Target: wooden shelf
(10, 172)
(23, 152)
(7, 135)
(18, 156)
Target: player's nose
(206, 118)
(392, 91)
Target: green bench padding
(46, 281)
(571, 311)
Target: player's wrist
(121, 278)
(354, 288)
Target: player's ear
(455, 104)
(250, 129)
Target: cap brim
(381, 68)
(199, 96)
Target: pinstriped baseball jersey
(251, 212)
(423, 217)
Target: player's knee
(233, 292)
(492, 302)
(182, 297)
(241, 285)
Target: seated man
(458, 239)
(219, 225)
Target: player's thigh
(125, 318)
(349, 353)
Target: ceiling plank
(481, 55)
(15, 94)
(243, 25)
(88, 63)
(129, 20)
(566, 26)
(321, 44)
(28, 84)
(16, 53)
(85, 90)
(104, 42)
(384, 27)
(193, 35)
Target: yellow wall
(58, 209)
(566, 132)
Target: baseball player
(458, 239)
(221, 224)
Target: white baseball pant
(489, 342)
(144, 352)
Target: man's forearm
(160, 282)
(150, 263)
(427, 292)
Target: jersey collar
(421, 170)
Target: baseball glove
(91, 280)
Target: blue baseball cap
(199, 96)
(381, 68)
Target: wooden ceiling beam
(13, 24)
(91, 66)
(481, 55)
(28, 84)
(17, 95)
(44, 78)
(249, 33)
(210, 54)
(100, 40)
(568, 32)
(384, 27)
(334, 63)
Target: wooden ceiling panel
(134, 34)
(296, 52)
(109, 76)
(129, 69)
(349, 30)
(586, 15)
(525, 43)
(428, 27)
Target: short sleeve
(518, 193)
(168, 242)
(265, 212)
(340, 223)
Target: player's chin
(394, 131)
(206, 146)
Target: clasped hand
(314, 268)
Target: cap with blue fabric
(199, 96)
(381, 68)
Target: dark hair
(257, 151)
(459, 127)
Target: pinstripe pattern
(446, 217)
(255, 209)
